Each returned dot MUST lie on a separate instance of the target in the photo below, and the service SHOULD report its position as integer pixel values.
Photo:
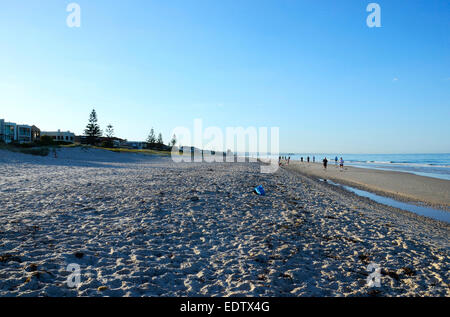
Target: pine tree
(173, 141)
(151, 137)
(160, 139)
(109, 131)
(109, 137)
(92, 130)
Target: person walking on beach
(301, 159)
(307, 159)
(325, 162)
(335, 160)
(341, 164)
(314, 159)
(289, 159)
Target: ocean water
(431, 165)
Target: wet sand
(402, 186)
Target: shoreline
(402, 186)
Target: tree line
(93, 133)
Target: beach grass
(143, 151)
(73, 145)
(45, 150)
(38, 150)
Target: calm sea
(431, 165)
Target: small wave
(380, 162)
(404, 163)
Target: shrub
(24, 145)
(107, 144)
(43, 151)
(46, 140)
(62, 143)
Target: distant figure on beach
(289, 159)
(341, 164)
(307, 159)
(301, 159)
(325, 162)
(314, 159)
(335, 160)
(279, 160)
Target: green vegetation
(46, 140)
(36, 149)
(160, 139)
(151, 139)
(109, 131)
(92, 130)
(28, 149)
(70, 145)
(173, 141)
(146, 151)
(108, 143)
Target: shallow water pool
(429, 212)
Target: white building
(61, 136)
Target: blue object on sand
(260, 190)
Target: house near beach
(2, 129)
(22, 133)
(35, 133)
(9, 131)
(137, 145)
(60, 136)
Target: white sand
(142, 232)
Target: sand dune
(145, 226)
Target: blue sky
(312, 68)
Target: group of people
(308, 159)
(341, 163)
(287, 159)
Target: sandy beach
(142, 225)
(402, 186)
